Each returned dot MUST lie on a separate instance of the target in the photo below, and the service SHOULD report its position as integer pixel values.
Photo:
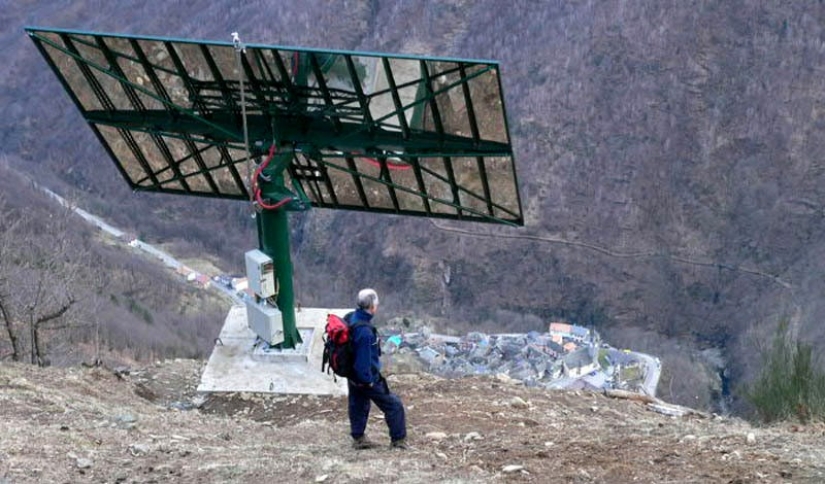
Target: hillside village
(566, 356)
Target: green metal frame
(397, 134)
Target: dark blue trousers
(389, 403)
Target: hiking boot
(362, 443)
(400, 444)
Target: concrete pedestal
(241, 363)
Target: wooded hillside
(669, 156)
(69, 295)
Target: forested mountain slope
(669, 154)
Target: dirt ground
(150, 425)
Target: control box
(265, 321)
(260, 271)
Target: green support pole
(273, 237)
(273, 231)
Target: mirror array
(393, 134)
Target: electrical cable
(256, 190)
(390, 166)
(241, 49)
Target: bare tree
(8, 230)
(41, 261)
(92, 308)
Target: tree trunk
(17, 353)
(40, 322)
(32, 335)
(37, 355)
(97, 342)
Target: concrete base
(241, 363)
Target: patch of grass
(630, 373)
(139, 310)
(603, 361)
(792, 383)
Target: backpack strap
(364, 323)
(370, 325)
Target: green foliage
(791, 385)
(604, 361)
(139, 310)
(631, 373)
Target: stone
(20, 382)
(139, 449)
(126, 421)
(436, 435)
(509, 469)
(505, 379)
(518, 402)
(198, 401)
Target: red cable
(270, 207)
(390, 166)
(257, 191)
(295, 59)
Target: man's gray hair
(367, 298)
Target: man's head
(367, 300)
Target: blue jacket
(366, 347)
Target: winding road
(164, 257)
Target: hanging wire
(240, 49)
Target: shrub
(791, 385)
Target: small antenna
(236, 40)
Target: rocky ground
(150, 425)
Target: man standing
(367, 384)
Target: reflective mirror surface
(393, 134)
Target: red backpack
(338, 353)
